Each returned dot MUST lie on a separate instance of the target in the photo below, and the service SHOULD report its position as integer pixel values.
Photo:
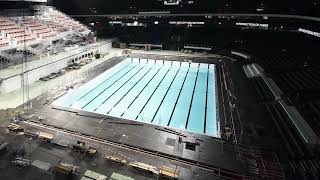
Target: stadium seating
(4, 42)
(51, 24)
(297, 74)
(14, 32)
(56, 27)
(40, 29)
(61, 21)
(48, 26)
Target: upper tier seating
(49, 24)
(295, 69)
(4, 42)
(38, 28)
(15, 32)
(8, 26)
(56, 27)
(59, 20)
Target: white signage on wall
(186, 22)
(252, 24)
(313, 33)
(115, 22)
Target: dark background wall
(306, 7)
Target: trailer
(168, 172)
(30, 133)
(116, 176)
(61, 142)
(41, 165)
(94, 175)
(144, 167)
(116, 159)
(45, 136)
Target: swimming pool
(179, 95)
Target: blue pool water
(179, 95)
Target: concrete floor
(52, 154)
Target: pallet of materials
(116, 159)
(116, 176)
(91, 175)
(144, 167)
(169, 173)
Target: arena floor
(136, 141)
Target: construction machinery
(79, 147)
(65, 169)
(91, 151)
(15, 128)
